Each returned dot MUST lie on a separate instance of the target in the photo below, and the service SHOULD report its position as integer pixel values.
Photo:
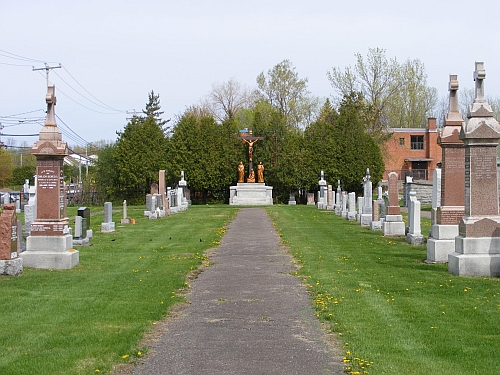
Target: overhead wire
(88, 92)
(69, 133)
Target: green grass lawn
(86, 319)
(393, 313)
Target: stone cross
(50, 99)
(453, 117)
(479, 76)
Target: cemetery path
(247, 314)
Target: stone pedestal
(441, 243)
(393, 225)
(50, 252)
(251, 194)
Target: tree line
(303, 134)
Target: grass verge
(393, 313)
(85, 320)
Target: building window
(401, 141)
(417, 142)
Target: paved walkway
(247, 314)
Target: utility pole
(1, 143)
(47, 70)
(134, 114)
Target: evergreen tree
(140, 153)
(153, 110)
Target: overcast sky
(116, 51)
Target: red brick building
(414, 151)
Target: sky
(114, 52)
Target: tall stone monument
(451, 205)
(366, 216)
(322, 201)
(49, 244)
(393, 224)
(477, 247)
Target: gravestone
(78, 227)
(291, 199)
(125, 219)
(108, 225)
(451, 208)
(477, 247)
(30, 210)
(375, 224)
(412, 197)
(50, 244)
(393, 224)
(344, 204)
(84, 213)
(436, 194)
(338, 199)
(414, 235)
(163, 191)
(322, 193)
(310, 199)
(366, 216)
(360, 209)
(330, 200)
(351, 207)
(182, 202)
(10, 263)
(154, 188)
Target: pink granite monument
(50, 244)
(451, 210)
(393, 224)
(10, 263)
(477, 248)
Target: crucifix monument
(250, 193)
(250, 140)
(49, 244)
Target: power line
(71, 129)
(23, 113)
(114, 109)
(18, 57)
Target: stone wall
(423, 190)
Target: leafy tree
(415, 101)
(397, 93)
(6, 167)
(283, 88)
(106, 174)
(226, 99)
(20, 174)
